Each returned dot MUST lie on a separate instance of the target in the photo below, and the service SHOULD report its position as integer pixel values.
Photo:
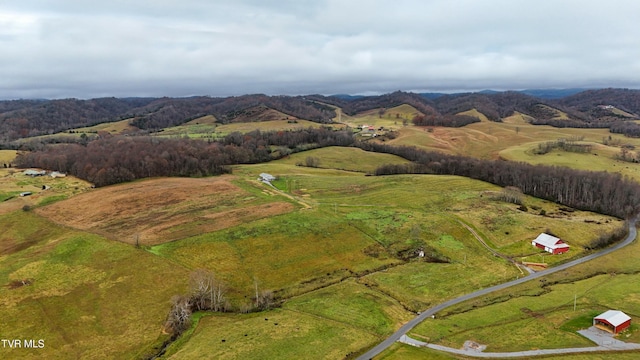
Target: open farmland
(387, 214)
(13, 182)
(115, 127)
(151, 212)
(86, 296)
(340, 158)
(392, 118)
(7, 156)
(540, 314)
(338, 248)
(207, 127)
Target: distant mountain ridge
(584, 108)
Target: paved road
(432, 311)
(603, 339)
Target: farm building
(32, 172)
(264, 177)
(613, 321)
(550, 244)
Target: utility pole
(575, 299)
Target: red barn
(550, 244)
(612, 321)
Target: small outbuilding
(550, 244)
(264, 177)
(613, 321)
(34, 173)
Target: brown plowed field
(162, 210)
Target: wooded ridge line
(604, 108)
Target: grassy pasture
(214, 130)
(328, 323)
(523, 313)
(115, 127)
(488, 139)
(341, 158)
(152, 212)
(87, 297)
(204, 120)
(349, 213)
(392, 118)
(602, 158)
(546, 320)
(7, 156)
(278, 334)
(289, 254)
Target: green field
(540, 314)
(384, 211)
(7, 156)
(207, 129)
(338, 249)
(85, 296)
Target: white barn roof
(613, 317)
(550, 241)
(267, 177)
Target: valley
(93, 271)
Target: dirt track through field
(161, 210)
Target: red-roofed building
(613, 321)
(550, 244)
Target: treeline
(626, 128)
(445, 120)
(601, 192)
(171, 112)
(115, 159)
(570, 145)
(26, 118)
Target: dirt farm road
(432, 311)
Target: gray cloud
(86, 49)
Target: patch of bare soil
(10, 246)
(15, 284)
(161, 210)
(11, 205)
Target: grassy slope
(209, 129)
(383, 210)
(514, 139)
(349, 212)
(545, 317)
(115, 127)
(88, 298)
(7, 156)
(350, 159)
(392, 117)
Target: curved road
(429, 312)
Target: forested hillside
(606, 108)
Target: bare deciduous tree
(179, 318)
(207, 293)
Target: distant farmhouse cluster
(371, 131)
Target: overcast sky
(85, 49)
